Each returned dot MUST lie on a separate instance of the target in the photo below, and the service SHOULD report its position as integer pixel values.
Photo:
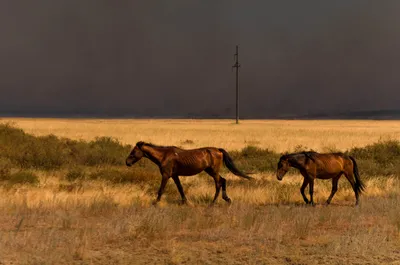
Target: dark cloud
(174, 58)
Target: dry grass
(83, 221)
(266, 224)
(276, 135)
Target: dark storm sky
(174, 58)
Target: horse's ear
(140, 144)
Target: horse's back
(330, 164)
(341, 158)
(193, 161)
(211, 149)
(203, 151)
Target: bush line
(22, 151)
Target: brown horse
(313, 165)
(174, 162)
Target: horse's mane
(141, 143)
(310, 154)
(307, 154)
(339, 153)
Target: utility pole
(237, 65)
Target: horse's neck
(153, 153)
(297, 161)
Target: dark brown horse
(174, 162)
(313, 165)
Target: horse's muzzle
(128, 163)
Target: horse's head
(135, 155)
(283, 167)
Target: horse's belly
(329, 170)
(327, 174)
(189, 171)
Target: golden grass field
(94, 222)
(277, 135)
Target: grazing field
(276, 135)
(70, 199)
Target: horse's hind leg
(350, 178)
(223, 184)
(217, 181)
(217, 188)
(335, 181)
(180, 189)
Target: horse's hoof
(228, 200)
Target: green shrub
(381, 158)
(5, 168)
(252, 158)
(136, 175)
(46, 152)
(50, 152)
(384, 152)
(112, 175)
(23, 177)
(76, 173)
(27, 151)
(105, 150)
(19, 150)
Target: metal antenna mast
(237, 65)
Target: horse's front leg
(164, 180)
(311, 180)
(308, 179)
(302, 189)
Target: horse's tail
(359, 186)
(231, 166)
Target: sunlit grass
(276, 135)
(102, 213)
(103, 223)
